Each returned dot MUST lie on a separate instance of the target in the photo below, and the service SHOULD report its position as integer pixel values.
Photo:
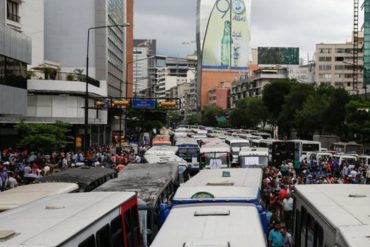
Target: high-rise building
(66, 36)
(15, 54)
(334, 65)
(144, 50)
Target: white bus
(25, 194)
(236, 144)
(215, 156)
(233, 185)
(189, 151)
(307, 146)
(154, 184)
(162, 150)
(254, 157)
(332, 215)
(73, 220)
(348, 148)
(216, 225)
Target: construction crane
(355, 45)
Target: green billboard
(278, 55)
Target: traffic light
(168, 104)
(99, 104)
(121, 103)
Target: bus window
(303, 227)
(297, 226)
(132, 227)
(116, 231)
(103, 237)
(310, 231)
(319, 236)
(89, 242)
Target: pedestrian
(275, 237)
(288, 210)
(287, 237)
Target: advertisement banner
(278, 55)
(224, 31)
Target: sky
(285, 23)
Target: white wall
(66, 108)
(66, 25)
(67, 87)
(32, 18)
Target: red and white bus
(93, 219)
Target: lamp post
(87, 82)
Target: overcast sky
(295, 23)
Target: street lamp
(87, 83)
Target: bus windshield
(248, 161)
(188, 152)
(310, 147)
(215, 160)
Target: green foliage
(210, 114)
(194, 119)
(293, 102)
(79, 74)
(43, 137)
(312, 115)
(30, 74)
(358, 122)
(70, 77)
(274, 96)
(248, 113)
(146, 119)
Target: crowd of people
(278, 188)
(22, 167)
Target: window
(339, 59)
(117, 232)
(325, 59)
(89, 242)
(325, 67)
(13, 72)
(325, 50)
(325, 76)
(103, 237)
(13, 11)
(132, 227)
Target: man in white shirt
(288, 210)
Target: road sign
(143, 103)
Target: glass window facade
(13, 72)
(367, 42)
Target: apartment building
(334, 66)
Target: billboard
(223, 34)
(278, 55)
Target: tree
(274, 96)
(194, 119)
(210, 114)
(248, 113)
(358, 118)
(293, 103)
(44, 137)
(312, 115)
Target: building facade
(219, 96)
(334, 66)
(15, 55)
(144, 50)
